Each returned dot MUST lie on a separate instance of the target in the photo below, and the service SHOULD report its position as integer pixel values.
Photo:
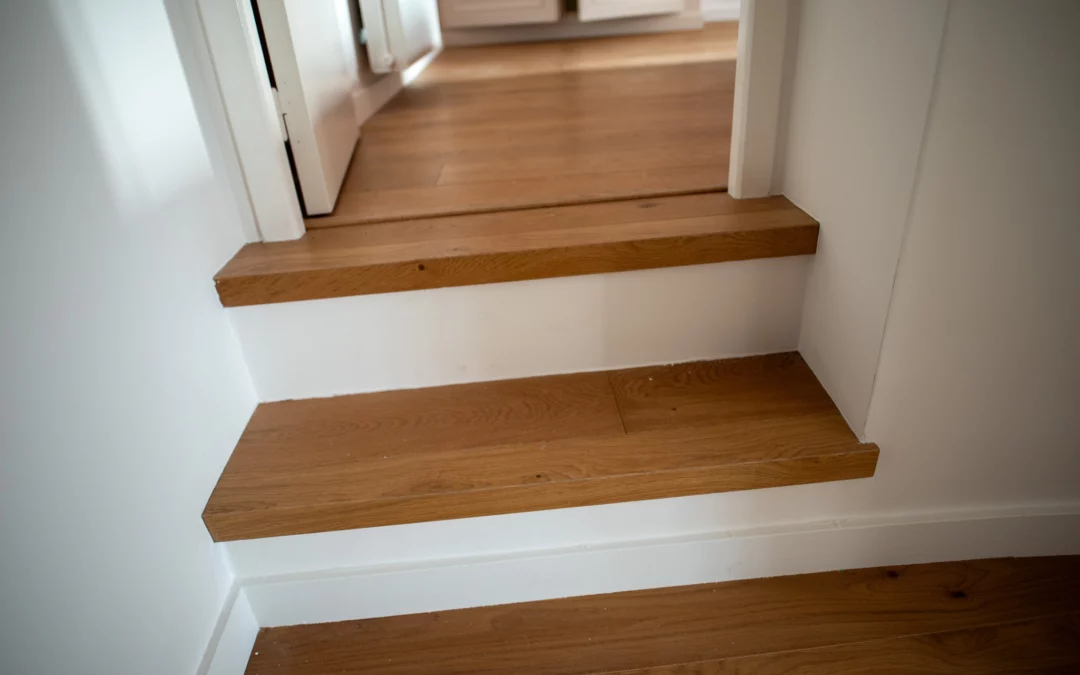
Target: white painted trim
(720, 10)
(206, 94)
(244, 87)
(234, 635)
(759, 76)
(568, 27)
(439, 585)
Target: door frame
(764, 45)
(257, 128)
(232, 40)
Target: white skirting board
(339, 595)
(521, 329)
(233, 637)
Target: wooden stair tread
(532, 444)
(990, 617)
(516, 245)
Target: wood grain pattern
(715, 42)
(495, 128)
(515, 246)
(532, 444)
(988, 616)
(1047, 646)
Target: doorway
(565, 113)
(514, 126)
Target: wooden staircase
(507, 446)
(526, 445)
(497, 447)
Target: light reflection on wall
(132, 82)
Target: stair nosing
(386, 270)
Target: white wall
(978, 390)
(863, 76)
(123, 388)
(953, 125)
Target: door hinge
(280, 114)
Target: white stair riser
(499, 331)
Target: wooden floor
(989, 617)
(503, 246)
(516, 126)
(512, 446)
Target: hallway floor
(1010, 616)
(520, 126)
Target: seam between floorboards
(618, 408)
(527, 207)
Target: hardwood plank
(763, 620)
(779, 386)
(538, 125)
(1047, 646)
(520, 445)
(369, 173)
(446, 200)
(514, 246)
(575, 161)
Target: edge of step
(519, 245)
(510, 446)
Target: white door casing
(315, 70)
(472, 13)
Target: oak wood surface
(1046, 646)
(717, 41)
(507, 127)
(515, 246)
(537, 443)
(986, 617)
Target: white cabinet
(472, 13)
(595, 10)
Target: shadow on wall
(123, 387)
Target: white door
(596, 10)
(399, 32)
(471, 13)
(312, 58)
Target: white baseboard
(230, 644)
(339, 595)
(569, 28)
(720, 10)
